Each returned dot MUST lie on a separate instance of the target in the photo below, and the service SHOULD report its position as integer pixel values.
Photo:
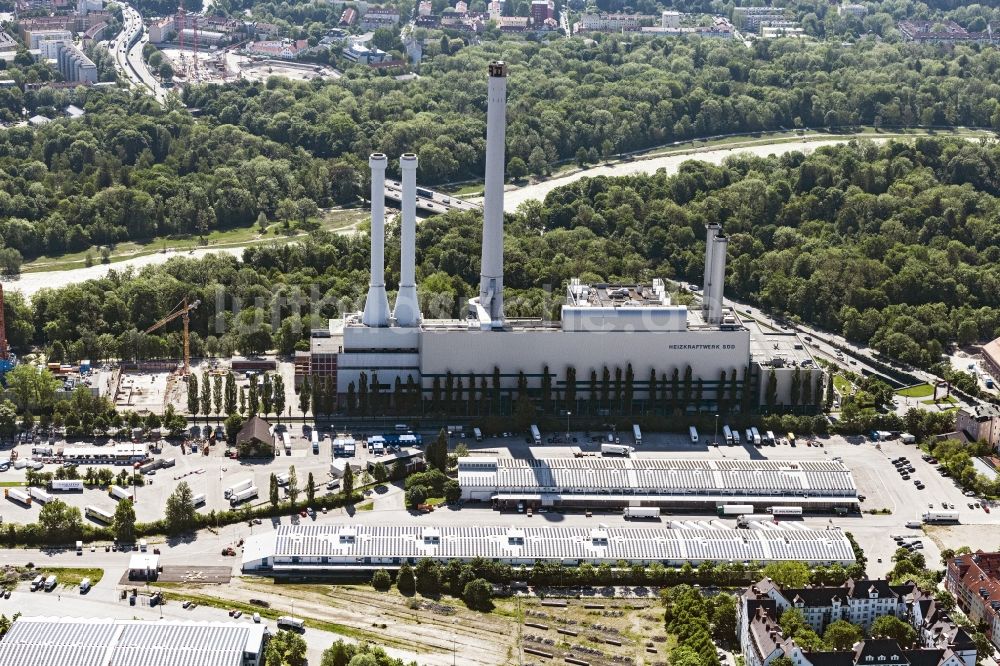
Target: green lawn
(918, 391)
(842, 384)
(949, 399)
(71, 576)
(367, 506)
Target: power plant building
(601, 326)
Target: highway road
(126, 48)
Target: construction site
(211, 49)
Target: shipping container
(66, 485)
(243, 495)
(235, 488)
(735, 509)
(40, 495)
(119, 493)
(616, 450)
(17, 495)
(785, 510)
(642, 512)
(98, 513)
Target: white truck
(769, 438)
(233, 489)
(756, 437)
(17, 495)
(940, 516)
(907, 438)
(636, 434)
(287, 440)
(282, 479)
(40, 495)
(735, 509)
(642, 512)
(478, 434)
(736, 437)
(198, 499)
(66, 485)
(243, 495)
(118, 492)
(693, 432)
(727, 432)
(616, 450)
(536, 436)
(50, 583)
(290, 623)
(785, 510)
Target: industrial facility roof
(679, 542)
(658, 475)
(59, 641)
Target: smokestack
(712, 230)
(407, 311)
(491, 271)
(377, 303)
(719, 247)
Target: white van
(50, 583)
(84, 585)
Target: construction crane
(6, 358)
(182, 310)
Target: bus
(99, 514)
(289, 623)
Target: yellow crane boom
(183, 310)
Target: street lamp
(716, 429)
(568, 414)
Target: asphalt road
(128, 59)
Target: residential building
(613, 22)
(37, 36)
(424, 8)
(94, 33)
(49, 48)
(348, 17)
(542, 10)
(980, 422)
(286, 49)
(781, 29)
(513, 23)
(975, 581)
(750, 18)
(859, 602)
(670, 19)
(461, 7)
(74, 65)
(721, 28)
(57, 641)
(256, 437)
(160, 29)
(852, 9)
(379, 17)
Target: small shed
(143, 566)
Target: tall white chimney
(719, 247)
(712, 230)
(491, 271)
(407, 310)
(377, 304)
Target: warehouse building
(678, 484)
(327, 549)
(58, 641)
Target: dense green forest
(892, 244)
(133, 170)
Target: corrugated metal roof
(659, 475)
(56, 641)
(350, 545)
